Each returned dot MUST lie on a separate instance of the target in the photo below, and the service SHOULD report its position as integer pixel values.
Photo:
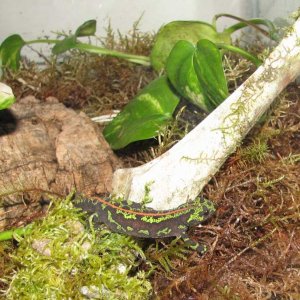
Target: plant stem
(47, 41)
(139, 59)
(9, 234)
(240, 51)
(252, 23)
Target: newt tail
(138, 221)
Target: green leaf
(7, 97)
(88, 28)
(144, 116)
(66, 44)
(206, 92)
(191, 31)
(10, 51)
(180, 71)
(208, 67)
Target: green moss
(162, 257)
(256, 152)
(60, 259)
(227, 293)
(147, 197)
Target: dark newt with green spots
(138, 221)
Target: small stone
(90, 292)
(75, 227)
(41, 246)
(121, 268)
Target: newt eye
(206, 211)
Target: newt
(143, 222)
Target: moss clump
(256, 152)
(59, 259)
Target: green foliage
(59, 259)
(167, 37)
(256, 61)
(181, 73)
(7, 97)
(197, 73)
(147, 114)
(271, 32)
(9, 234)
(88, 28)
(191, 31)
(209, 70)
(10, 51)
(256, 152)
(164, 256)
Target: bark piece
(52, 148)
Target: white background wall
(37, 18)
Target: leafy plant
(7, 97)
(191, 71)
(197, 73)
(144, 116)
(190, 31)
(193, 31)
(209, 70)
(86, 29)
(10, 49)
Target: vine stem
(138, 59)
